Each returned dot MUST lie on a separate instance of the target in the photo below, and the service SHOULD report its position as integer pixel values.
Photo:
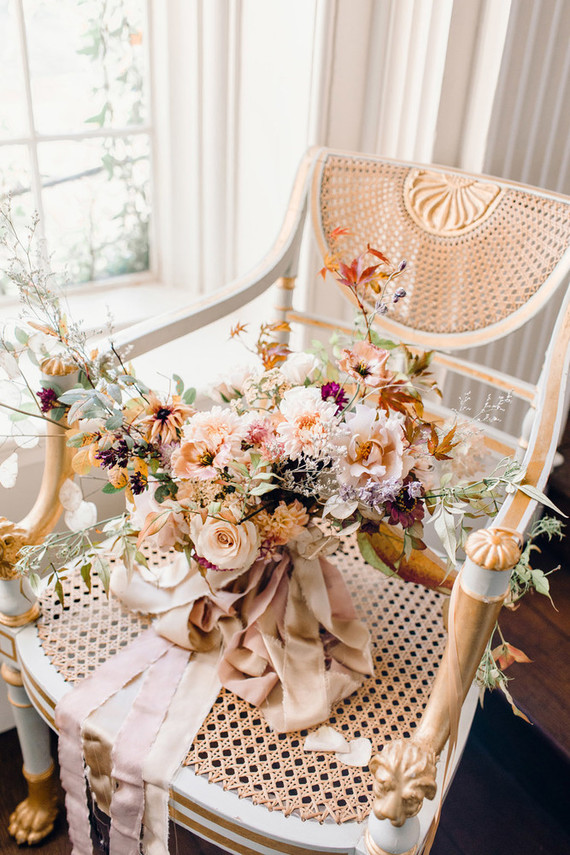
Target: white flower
(299, 367)
(224, 544)
(308, 423)
(375, 449)
(231, 385)
(175, 527)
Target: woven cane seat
(465, 272)
(235, 748)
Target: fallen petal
(359, 754)
(326, 738)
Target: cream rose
(224, 544)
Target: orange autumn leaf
(505, 654)
(338, 233)
(43, 328)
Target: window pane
(13, 121)
(87, 63)
(15, 179)
(96, 205)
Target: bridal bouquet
(299, 451)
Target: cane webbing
(234, 747)
(462, 278)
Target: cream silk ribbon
(283, 635)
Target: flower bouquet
(253, 495)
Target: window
(75, 131)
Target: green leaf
(539, 496)
(98, 118)
(115, 421)
(35, 583)
(162, 493)
(444, 524)
(111, 489)
(101, 567)
(260, 489)
(59, 591)
(57, 413)
(540, 582)
(189, 396)
(371, 556)
(179, 384)
(21, 335)
(86, 575)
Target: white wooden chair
(484, 257)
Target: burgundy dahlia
(405, 509)
(334, 392)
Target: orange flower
(163, 420)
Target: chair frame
(479, 591)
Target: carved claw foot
(33, 819)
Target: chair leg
(34, 817)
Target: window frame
(33, 139)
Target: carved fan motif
(448, 204)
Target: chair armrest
(404, 772)
(280, 261)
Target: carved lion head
(404, 774)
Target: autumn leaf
(440, 448)
(338, 233)
(153, 523)
(380, 255)
(237, 330)
(505, 654)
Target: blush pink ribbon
(282, 635)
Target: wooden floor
(512, 791)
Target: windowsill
(124, 303)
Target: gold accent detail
(19, 706)
(211, 835)
(33, 819)
(286, 283)
(208, 815)
(11, 676)
(494, 548)
(30, 616)
(404, 774)
(12, 538)
(479, 597)
(57, 366)
(374, 849)
(50, 702)
(10, 655)
(445, 204)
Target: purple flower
(406, 509)
(203, 562)
(334, 392)
(117, 455)
(138, 483)
(48, 399)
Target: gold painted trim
(39, 707)
(10, 638)
(50, 701)
(11, 675)
(19, 706)
(479, 597)
(215, 837)
(178, 798)
(21, 620)
(286, 283)
(39, 777)
(374, 849)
